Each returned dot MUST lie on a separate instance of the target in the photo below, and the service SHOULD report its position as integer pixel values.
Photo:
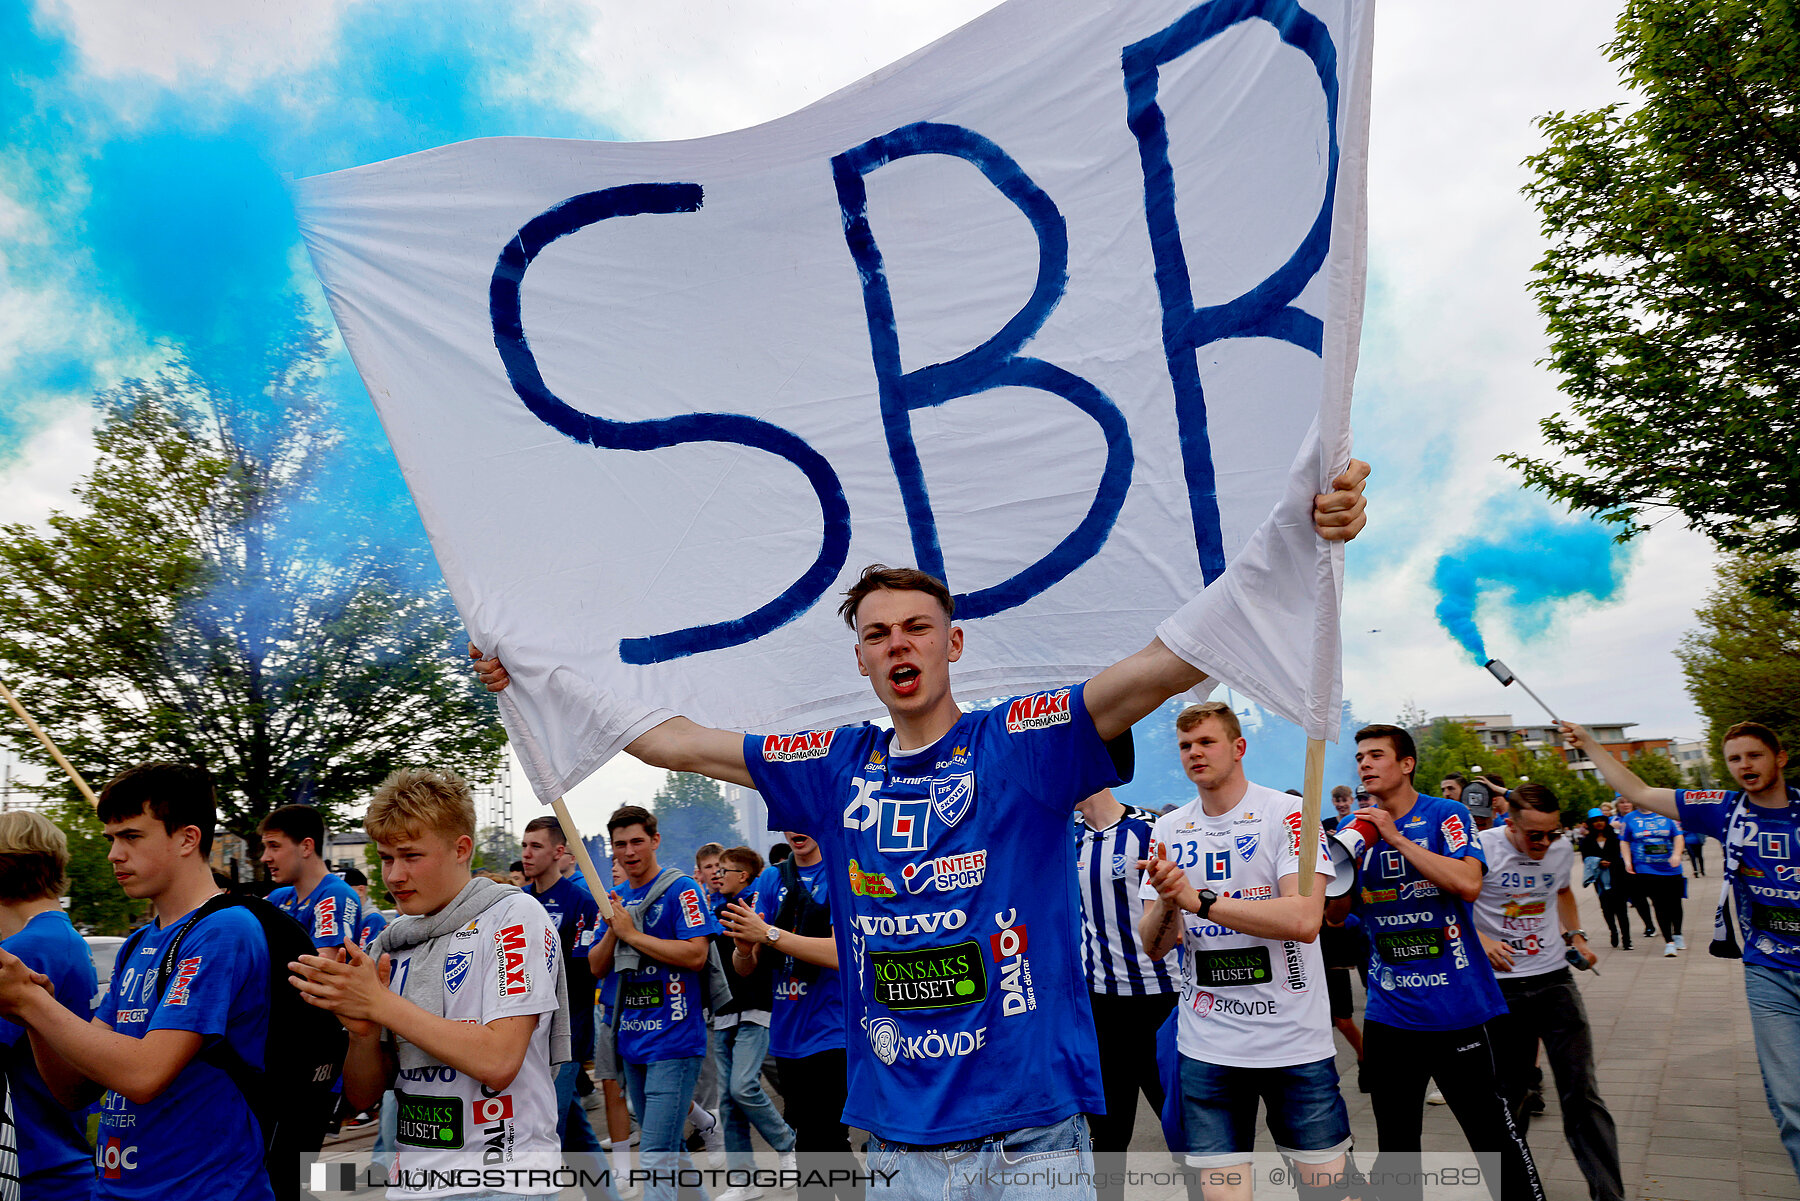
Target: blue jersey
(953, 895)
(330, 913)
(1650, 837)
(576, 916)
(54, 1161)
(1766, 883)
(374, 921)
(805, 1016)
(663, 1016)
(1427, 970)
(197, 1138)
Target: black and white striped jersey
(1106, 865)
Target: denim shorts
(1306, 1115)
(1037, 1163)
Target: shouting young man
(952, 874)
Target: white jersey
(1517, 904)
(1246, 1002)
(503, 964)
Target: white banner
(1049, 309)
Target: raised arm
(1619, 778)
(676, 745)
(1133, 688)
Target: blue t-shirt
(54, 1161)
(664, 1017)
(1651, 839)
(1427, 970)
(953, 894)
(576, 916)
(1766, 884)
(330, 913)
(197, 1138)
(806, 1016)
(374, 921)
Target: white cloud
(212, 43)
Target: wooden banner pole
(1313, 797)
(48, 744)
(599, 885)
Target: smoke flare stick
(1505, 676)
(48, 744)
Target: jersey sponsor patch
(794, 748)
(638, 993)
(325, 918)
(691, 913)
(1774, 844)
(946, 872)
(1218, 865)
(1404, 946)
(1228, 968)
(434, 1122)
(1774, 919)
(904, 825)
(1038, 712)
(1709, 797)
(489, 1110)
(929, 977)
(179, 984)
(1293, 821)
(510, 961)
(456, 969)
(870, 884)
(1456, 835)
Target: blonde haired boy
(460, 1005)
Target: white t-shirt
(1517, 904)
(1246, 1002)
(503, 964)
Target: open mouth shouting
(904, 680)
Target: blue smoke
(1535, 561)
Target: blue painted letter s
(579, 212)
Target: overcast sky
(115, 106)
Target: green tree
(1671, 279)
(496, 849)
(378, 889)
(691, 811)
(1657, 770)
(1447, 746)
(228, 592)
(97, 905)
(1743, 662)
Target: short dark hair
(517, 865)
(176, 794)
(296, 823)
(878, 577)
(354, 878)
(1457, 776)
(1532, 795)
(744, 857)
(1404, 747)
(557, 837)
(632, 815)
(780, 851)
(1756, 730)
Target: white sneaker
(1680, 943)
(1669, 951)
(713, 1139)
(1435, 1096)
(606, 1144)
(743, 1192)
(788, 1161)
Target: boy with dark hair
(326, 907)
(54, 1161)
(374, 921)
(460, 1006)
(144, 1045)
(1431, 991)
(658, 940)
(577, 918)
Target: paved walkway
(1677, 1069)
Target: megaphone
(1346, 845)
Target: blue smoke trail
(1536, 560)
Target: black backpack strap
(217, 1050)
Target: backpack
(303, 1052)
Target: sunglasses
(1536, 836)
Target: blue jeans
(1774, 997)
(385, 1129)
(743, 1103)
(661, 1093)
(1304, 1111)
(571, 1119)
(1038, 1163)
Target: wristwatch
(1569, 936)
(1207, 897)
(774, 934)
